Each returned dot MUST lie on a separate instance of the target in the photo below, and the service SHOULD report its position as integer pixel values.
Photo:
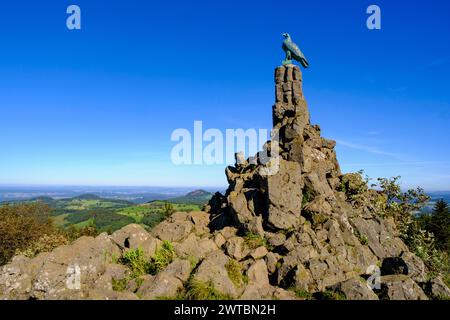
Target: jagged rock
(258, 273)
(281, 294)
(276, 239)
(284, 194)
(255, 291)
(400, 287)
(321, 230)
(355, 289)
(112, 272)
(219, 240)
(195, 248)
(163, 285)
(150, 246)
(259, 253)
(180, 269)
(201, 221)
(437, 289)
(271, 261)
(130, 237)
(172, 231)
(61, 273)
(303, 279)
(212, 269)
(235, 248)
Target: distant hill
(87, 196)
(199, 197)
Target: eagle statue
(292, 51)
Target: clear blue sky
(97, 106)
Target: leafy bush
(163, 257)
(46, 243)
(137, 262)
(152, 219)
(72, 233)
(23, 225)
(168, 209)
(403, 207)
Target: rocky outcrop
(321, 226)
(290, 226)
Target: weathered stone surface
(172, 231)
(284, 193)
(259, 253)
(416, 267)
(400, 287)
(163, 285)
(235, 248)
(437, 289)
(60, 274)
(112, 272)
(355, 289)
(258, 273)
(180, 269)
(212, 269)
(131, 236)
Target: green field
(110, 214)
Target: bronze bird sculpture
(293, 52)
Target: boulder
(235, 248)
(212, 269)
(437, 289)
(163, 285)
(130, 237)
(400, 287)
(416, 268)
(172, 231)
(355, 289)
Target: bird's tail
(304, 63)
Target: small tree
(168, 208)
(439, 224)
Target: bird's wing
(296, 51)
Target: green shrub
(135, 259)
(199, 290)
(46, 243)
(163, 257)
(22, 226)
(302, 294)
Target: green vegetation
(235, 273)
(307, 196)
(417, 231)
(361, 237)
(120, 284)
(163, 257)
(24, 225)
(197, 197)
(199, 290)
(438, 223)
(330, 295)
(253, 240)
(136, 261)
(87, 211)
(302, 294)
